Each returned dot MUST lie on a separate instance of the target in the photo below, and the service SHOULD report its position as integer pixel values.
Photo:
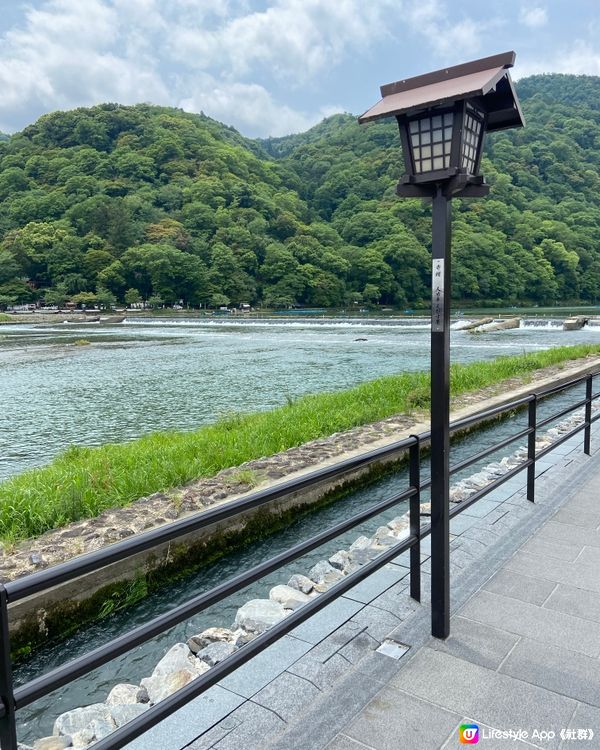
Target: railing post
(587, 434)
(415, 518)
(8, 725)
(531, 449)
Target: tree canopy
(142, 202)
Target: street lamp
(443, 117)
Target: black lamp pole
(440, 414)
(442, 117)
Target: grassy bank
(82, 482)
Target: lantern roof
(487, 80)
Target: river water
(153, 374)
(145, 375)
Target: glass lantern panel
(470, 143)
(431, 142)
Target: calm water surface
(147, 375)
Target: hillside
(147, 202)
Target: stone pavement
(364, 673)
(523, 654)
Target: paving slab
(476, 643)
(376, 584)
(328, 619)
(573, 601)
(576, 573)
(265, 667)
(553, 628)
(561, 670)
(567, 533)
(395, 720)
(487, 696)
(521, 587)
(196, 717)
(585, 718)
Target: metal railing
(12, 699)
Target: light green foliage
(309, 219)
(82, 482)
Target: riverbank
(65, 608)
(85, 482)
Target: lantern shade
(443, 117)
(487, 79)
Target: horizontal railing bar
(551, 390)
(502, 444)
(561, 440)
(464, 504)
(41, 686)
(482, 416)
(595, 417)
(128, 732)
(595, 396)
(92, 561)
(562, 413)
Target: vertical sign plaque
(437, 295)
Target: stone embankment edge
(44, 615)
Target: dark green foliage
(155, 203)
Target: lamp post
(443, 117)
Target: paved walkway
(523, 653)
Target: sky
(268, 68)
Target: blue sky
(268, 68)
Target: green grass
(82, 482)
(4, 318)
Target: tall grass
(82, 482)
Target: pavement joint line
(543, 604)
(512, 648)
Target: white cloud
(63, 57)
(252, 105)
(447, 37)
(294, 39)
(581, 58)
(533, 17)
(220, 56)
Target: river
(146, 375)
(149, 374)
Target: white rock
(161, 686)
(178, 657)
(258, 615)
(324, 575)
(363, 542)
(78, 719)
(52, 743)
(125, 713)
(288, 597)
(124, 693)
(340, 559)
(384, 537)
(210, 635)
(215, 652)
(95, 730)
(302, 583)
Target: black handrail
(13, 699)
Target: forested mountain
(147, 202)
